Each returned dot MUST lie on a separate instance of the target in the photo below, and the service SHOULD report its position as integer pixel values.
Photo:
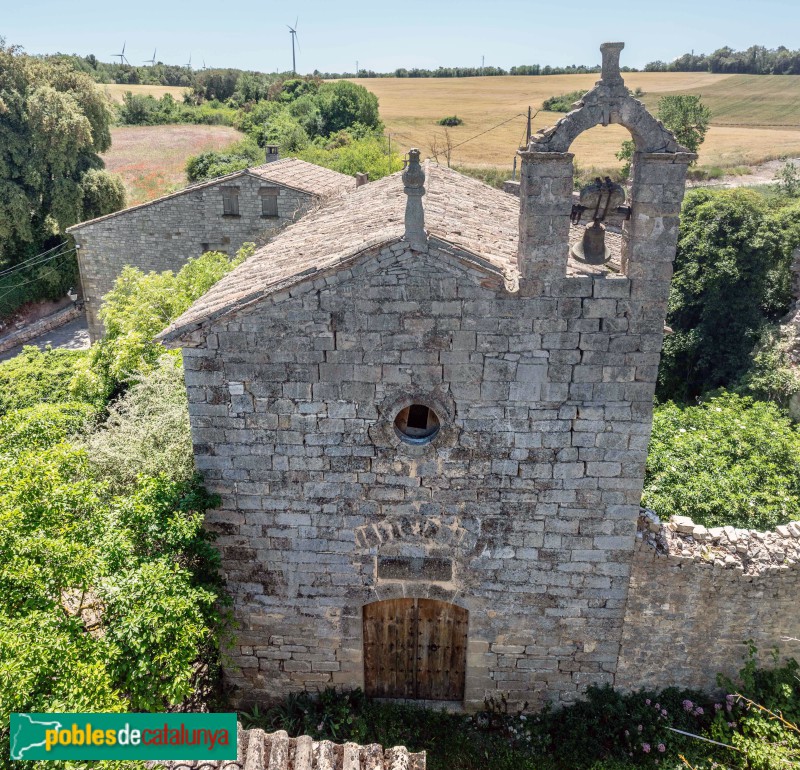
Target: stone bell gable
(428, 421)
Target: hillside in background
(744, 110)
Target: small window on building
(417, 424)
(269, 201)
(230, 201)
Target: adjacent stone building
(428, 423)
(219, 215)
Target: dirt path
(764, 173)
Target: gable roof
(459, 210)
(306, 177)
(293, 173)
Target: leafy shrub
(285, 131)
(352, 156)
(562, 103)
(730, 460)
(629, 727)
(156, 628)
(760, 715)
(687, 117)
(38, 376)
(139, 307)
(146, 110)
(142, 562)
(39, 281)
(214, 163)
(147, 431)
(608, 730)
(771, 375)
(41, 426)
(451, 120)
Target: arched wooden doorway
(415, 648)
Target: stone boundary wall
(697, 594)
(41, 326)
(257, 750)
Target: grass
(152, 159)
(117, 90)
(742, 107)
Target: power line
(25, 283)
(31, 265)
(513, 117)
(24, 262)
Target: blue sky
(333, 35)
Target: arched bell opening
(415, 649)
(601, 196)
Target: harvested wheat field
(754, 118)
(117, 90)
(152, 159)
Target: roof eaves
(176, 331)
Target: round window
(416, 424)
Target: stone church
(427, 411)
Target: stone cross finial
(610, 72)
(413, 181)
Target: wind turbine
(121, 56)
(293, 33)
(152, 61)
(188, 65)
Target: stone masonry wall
(165, 234)
(697, 594)
(530, 491)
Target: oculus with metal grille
(417, 424)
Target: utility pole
(389, 160)
(483, 59)
(528, 131)
(356, 67)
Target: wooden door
(415, 648)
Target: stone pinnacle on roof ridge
(414, 181)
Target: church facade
(428, 421)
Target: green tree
(687, 117)
(343, 103)
(731, 277)
(788, 178)
(103, 193)
(54, 123)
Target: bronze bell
(600, 197)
